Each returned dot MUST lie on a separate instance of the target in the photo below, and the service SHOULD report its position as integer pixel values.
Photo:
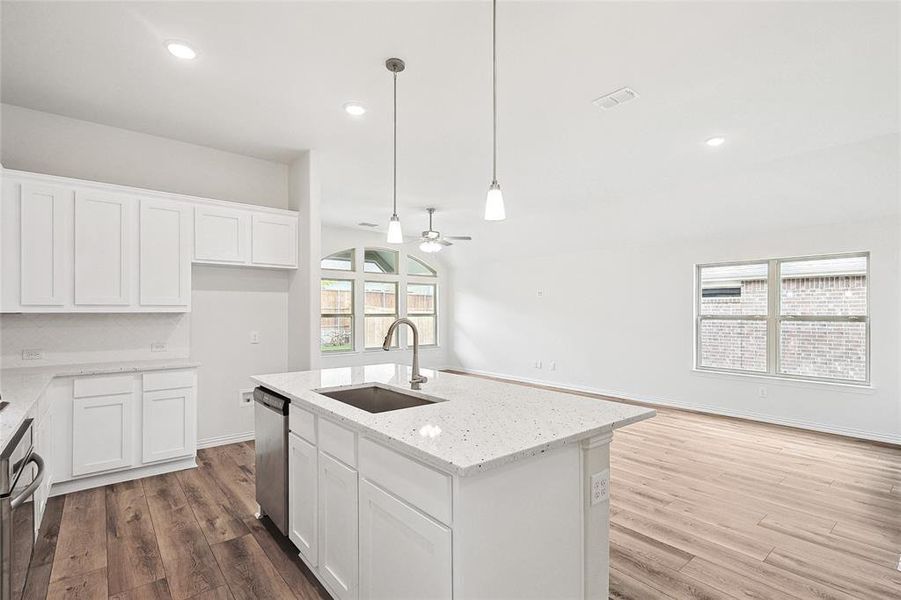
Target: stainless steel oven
(21, 472)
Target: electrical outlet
(537, 364)
(32, 354)
(245, 397)
(254, 337)
(762, 392)
(552, 365)
(600, 487)
(159, 347)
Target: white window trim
(774, 319)
(359, 276)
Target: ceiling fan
(432, 241)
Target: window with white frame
(336, 319)
(370, 282)
(379, 311)
(422, 309)
(800, 318)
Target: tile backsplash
(86, 338)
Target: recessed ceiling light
(355, 109)
(181, 50)
(716, 141)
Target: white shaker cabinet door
(103, 238)
(338, 549)
(45, 216)
(165, 253)
(274, 240)
(302, 494)
(220, 235)
(168, 424)
(101, 433)
(404, 555)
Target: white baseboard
(222, 440)
(714, 410)
(86, 483)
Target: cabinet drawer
(302, 422)
(85, 387)
(338, 442)
(168, 380)
(423, 487)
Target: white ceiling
(805, 93)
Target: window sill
(861, 388)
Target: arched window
(371, 283)
(417, 267)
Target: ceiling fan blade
(464, 238)
(444, 242)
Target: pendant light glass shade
(395, 233)
(494, 203)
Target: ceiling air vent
(614, 99)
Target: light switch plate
(32, 354)
(158, 347)
(254, 337)
(600, 487)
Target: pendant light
(494, 201)
(395, 233)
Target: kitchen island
(486, 490)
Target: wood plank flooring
(702, 507)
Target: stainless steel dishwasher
(271, 426)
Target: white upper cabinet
(165, 253)
(45, 217)
(274, 240)
(77, 246)
(103, 237)
(221, 235)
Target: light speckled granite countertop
(22, 387)
(482, 423)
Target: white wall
(36, 141)
(335, 239)
(228, 304)
(630, 334)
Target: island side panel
(518, 529)
(596, 511)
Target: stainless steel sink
(375, 399)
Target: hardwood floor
(702, 507)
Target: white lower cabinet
(370, 534)
(338, 550)
(101, 433)
(168, 429)
(105, 424)
(403, 553)
(303, 493)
